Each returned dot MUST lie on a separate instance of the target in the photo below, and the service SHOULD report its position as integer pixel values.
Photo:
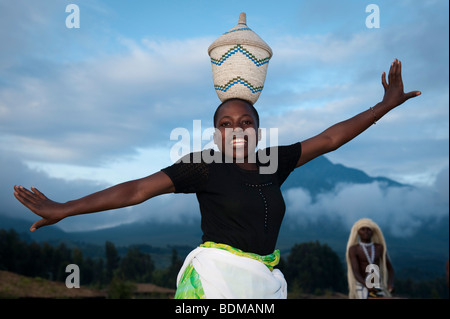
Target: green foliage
(314, 268)
(310, 267)
(46, 261)
(112, 259)
(429, 289)
(136, 266)
(167, 277)
(120, 289)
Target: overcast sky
(84, 108)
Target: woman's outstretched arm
(343, 132)
(121, 195)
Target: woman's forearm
(121, 195)
(118, 196)
(343, 132)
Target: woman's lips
(238, 142)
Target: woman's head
(237, 128)
(252, 109)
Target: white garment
(361, 291)
(225, 275)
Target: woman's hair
(255, 112)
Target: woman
(241, 208)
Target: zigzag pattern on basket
(240, 29)
(238, 80)
(239, 48)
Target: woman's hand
(50, 211)
(393, 91)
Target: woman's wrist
(380, 109)
(68, 209)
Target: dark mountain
(321, 175)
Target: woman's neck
(248, 166)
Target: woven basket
(239, 60)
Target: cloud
(88, 96)
(94, 109)
(401, 210)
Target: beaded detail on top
(260, 187)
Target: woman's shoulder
(283, 147)
(283, 158)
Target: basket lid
(240, 34)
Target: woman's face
(237, 130)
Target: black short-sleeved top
(241, 208)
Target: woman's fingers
(398, 81)
(390, 75)
(33, 196)
(38, 224)
(383, 81)
(394, 93)
(32, 200)
(39, 204)
(38, 193)
(394, 77)
(23, 195)
(394, 72)
(412, 94)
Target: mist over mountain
(323, 200)
(321, 175)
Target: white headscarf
(377, 238)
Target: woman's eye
(225, 124)
(247, 122)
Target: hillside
(17, 286)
